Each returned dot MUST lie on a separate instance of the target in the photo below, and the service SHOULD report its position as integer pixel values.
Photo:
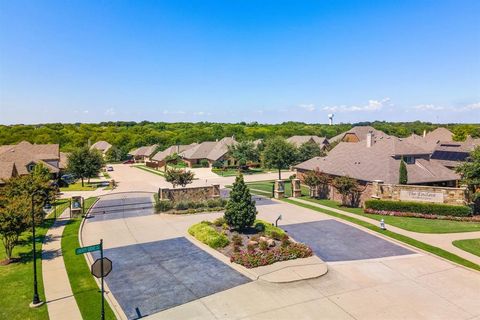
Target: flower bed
(257, 257)
(260, 245)
(421, 215)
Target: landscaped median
(402, 238)
(84, 287)
(189, 207)
(145, 168)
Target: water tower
(330, 118)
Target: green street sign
(82, 250)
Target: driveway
(336, 241)
(154, 276)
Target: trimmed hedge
(418, 207)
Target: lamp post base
(36, 305)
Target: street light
(36, 302)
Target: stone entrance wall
(395, 192)
(189, 194)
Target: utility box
(76, 206)
(279, 189)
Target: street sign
(83, 250)
(97, 267)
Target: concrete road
(407, 286)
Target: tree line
(126, 136)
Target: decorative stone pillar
(279, 189)
(376, 192)
(163, 193)
(216, 191)
(296, 188)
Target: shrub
(240, 211)
(163, 205)
(237, 239)
(219, 222)
(418, 207)
(206, 233)
(182, 205)
(204, 163)
(250, 247)
(263, 245)
(270, 230)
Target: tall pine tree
(240, 211)
(403, 175)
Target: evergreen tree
(240, 211)
(403, 174)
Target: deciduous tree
(278, 154)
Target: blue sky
(239, 60)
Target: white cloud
(110, 112)
(173, 112)
(428, 107)
(373, 105)
(308, 107)
(473, 106)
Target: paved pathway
(441, 240)
(61, 303)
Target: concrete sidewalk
(441, 240)
(60, 301)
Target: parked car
(129, 161)
(109, 168)
(68, 178)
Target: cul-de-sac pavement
(161, 272)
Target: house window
(30, 167)
(409, 159)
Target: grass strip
(84, 287)
(469, 245)
(415, 243)
(16, 279)
(144, 168)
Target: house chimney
(369, 139)
(424, 133)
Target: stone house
(209, 151)
(143, 154)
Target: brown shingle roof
(101, 146)
(299, 140)
(379, 162)
(7, 170)
(361, 133)
(159, 156)
(439, 134)
(211, 150)
(25, 153)
(145, 151)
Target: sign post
(100, 268)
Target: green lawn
(84, 287)
(16, 279)
(106, 175)
(145, 168)
(60, 206)
(77, 186)
(408, 223)
(470, 245)
(264, 188)
(234, 172)
(415, 243)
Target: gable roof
(299, 140)
(381, 161)
(145, 151)
(439, 134)
(101, 146)
(211, 150)
(160, 156)
(25, 153)
(453, 153)
(7, 170)
(361, 133)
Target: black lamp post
(36, 302)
